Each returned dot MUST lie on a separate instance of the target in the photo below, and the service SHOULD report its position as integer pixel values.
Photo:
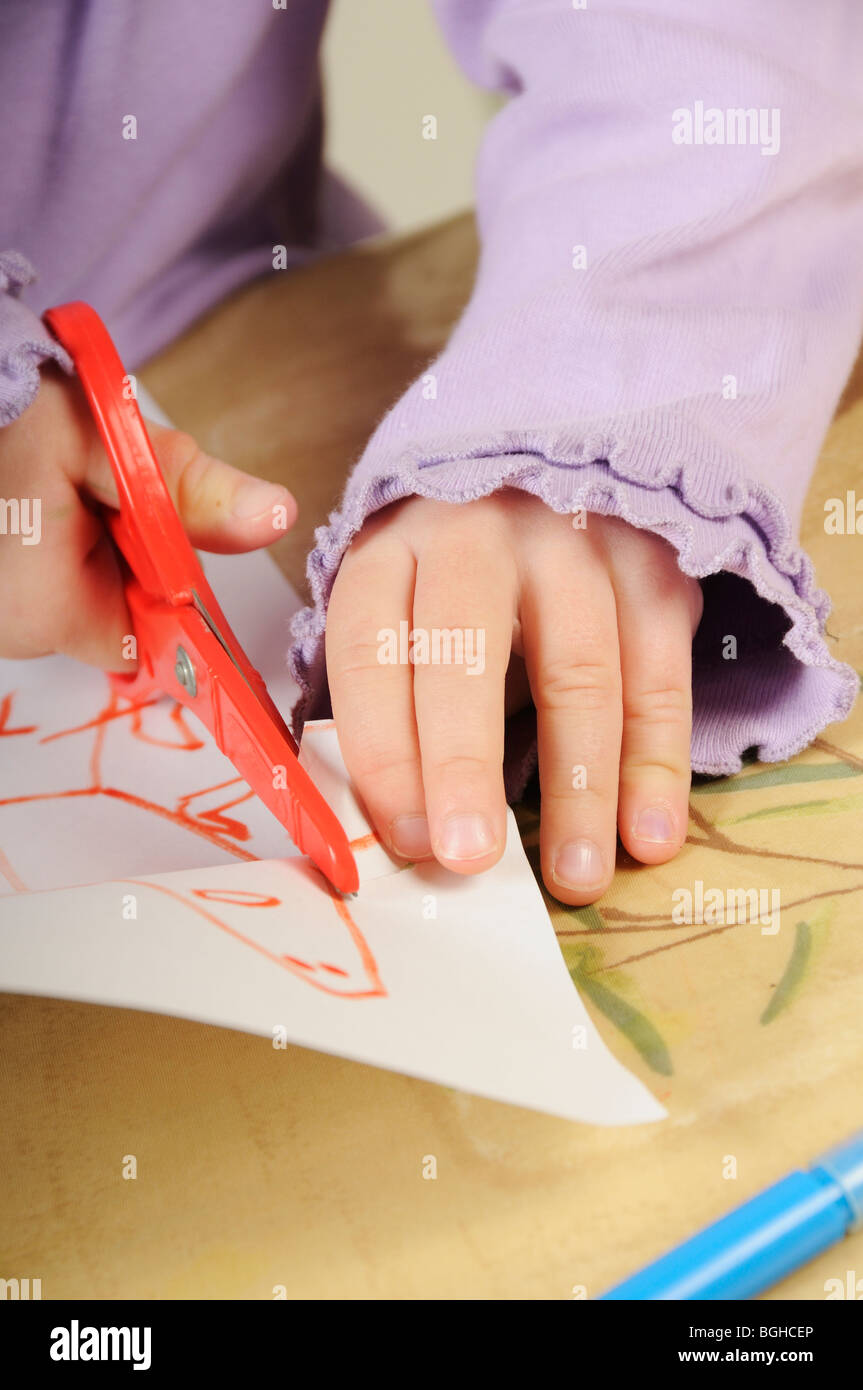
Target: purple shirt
(669, 300)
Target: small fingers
(658, 609)
(372, 694)
(64, 593)
(570, 635)
(463, 610)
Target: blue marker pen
(764, 1240)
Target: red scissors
(185, 646)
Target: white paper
(145, 791)
(457, 980)
(176, 891)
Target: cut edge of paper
(478, 999)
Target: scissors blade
(185, 644)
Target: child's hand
(62, 589)
(600, 620)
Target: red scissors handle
(185, 646)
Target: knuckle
(376, 767)
(355, 656)
(593, 803)
(589, 685)
(639, 768)
(669, 705)
(189, 467)
(178, 450)
(465, 766)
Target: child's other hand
(598, 620)
(62, 588)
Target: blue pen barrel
(764, 1240)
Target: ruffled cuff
(779, 690)
(25, 343)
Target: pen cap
(844, 1165)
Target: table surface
(260, 1169)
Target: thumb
(222, 508)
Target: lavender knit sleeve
(669, 300)
(24, 341)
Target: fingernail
(466, 837)
(579, 865)
(655, 824)
(409, 837)
(255, 498)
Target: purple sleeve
(669, 301)
(24, 341)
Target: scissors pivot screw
(185, 671)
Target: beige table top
(260, 1168)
